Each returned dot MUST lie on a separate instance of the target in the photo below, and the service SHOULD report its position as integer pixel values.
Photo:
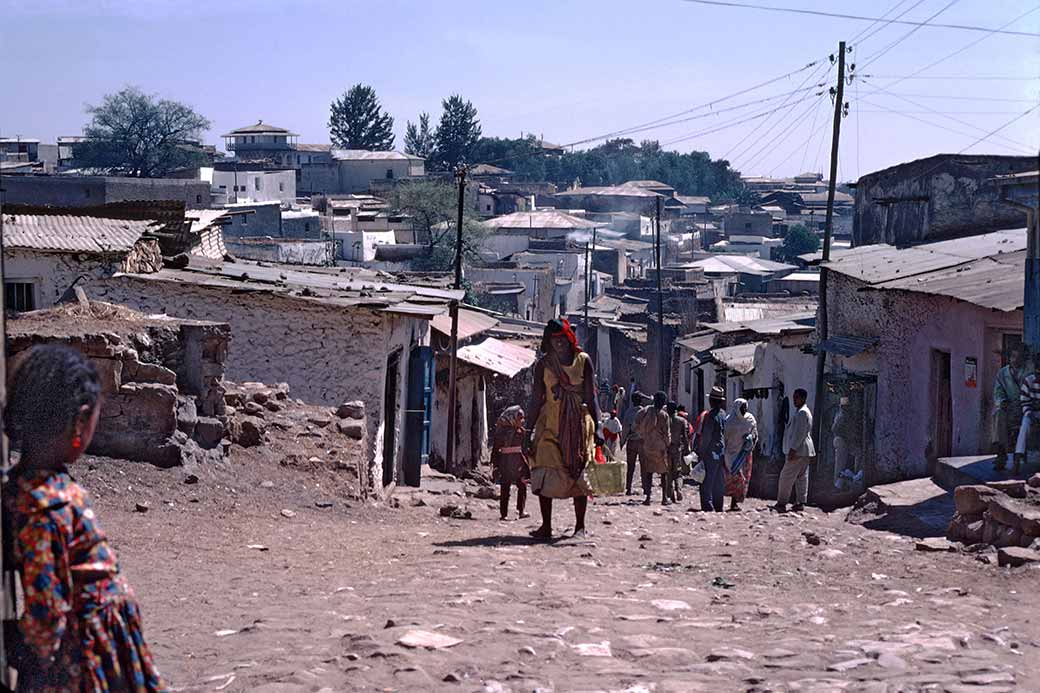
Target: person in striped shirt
(1030, 399)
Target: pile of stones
(1003, 514)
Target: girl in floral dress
(81, 628)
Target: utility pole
(661, 367)
(588, 291)
(453, 307)
(821, 326)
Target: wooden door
(942, 404)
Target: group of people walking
(655, 437)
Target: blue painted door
(420, 406)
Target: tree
(357, 121)
(799, 241)
(140, 135)
(457, 134)
(433, 206)
(419, 139)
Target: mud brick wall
(327, 354)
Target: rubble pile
(1003, 514)
(264, 420)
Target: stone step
(918, 507)
(951, 472)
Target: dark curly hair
(46, 392)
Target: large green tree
(799, 241)
(433, 206)
(457, 134)
(357, 121)
(141, 135)
(419, 138)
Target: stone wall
(84, 191)
(162, 382)
(53, 273)
(327, 354)
(939, 197)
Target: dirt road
(656, 600)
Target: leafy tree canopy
(611, 163)
(141, 135)
(457, 134)
(357, 121)
(433, 206)
(799, 241)
(419, 138)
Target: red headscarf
(561, 326)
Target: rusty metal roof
(547, 219)
(875, 264)
(739, 358)
(996, 282)
(498, 356)
(73, 234)
(471, 323)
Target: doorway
(942, 405)
(393, 377)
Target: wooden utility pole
(821, 326)
(661, 367)
(453, 307)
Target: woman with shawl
(741, 435)
(564, 441)
(508, 461)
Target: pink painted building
(916, 337)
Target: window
(281, 187)
(245, 220)
(252, 139)
(198, 199)
(256, 182)
(389, 174)
(747, 226)
(86, 192)
(306, 227)
(19, 296)
(487, 207)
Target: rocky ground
(263, 577)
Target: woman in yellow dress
(564, 431)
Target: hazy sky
(568, 70)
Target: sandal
(541, 533)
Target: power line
(802, 145)
(955, 97)
(856, 40)
(948, 117)
(795, 122)
(812, 128)
(815, 75)
(793, 10)
(994, 78)
(994, 132)
(877, 56)
(960, 50)
(934, 112)
(763, 114)
(694, 109)
(956, 132)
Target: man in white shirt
(799, 450)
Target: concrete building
(942, 196)
(914, 343)
(239, 183)
(89, 191)
(614, 198)
(262, 142)
(740, 273)
(747, 222)
(512, 233)
(46, 255)
(525, 292)
(359, 168)
(333, 336)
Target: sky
(567, 70)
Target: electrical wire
(812, 128)
(882, 90)
(956, 132)
(780, 137)
(819, 13)
(815, 75)
(856, 40)
(801, 145)
(959, 78)
(763, 114)
(877, 56)
(1005, 125)
(708, 104)
(960, 50)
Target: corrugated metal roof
(313, 147)
(210, 243)
(738, 264)
(72, 233)
(794, 323)
(471, 323)
(548, 219)
(874, 264)
(995, 282)
(259, 127)
(697, 343)
(498, 356)
(848, 345)
(610, 190)
(365, 155)
(739, 358)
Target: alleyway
(656, 600)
